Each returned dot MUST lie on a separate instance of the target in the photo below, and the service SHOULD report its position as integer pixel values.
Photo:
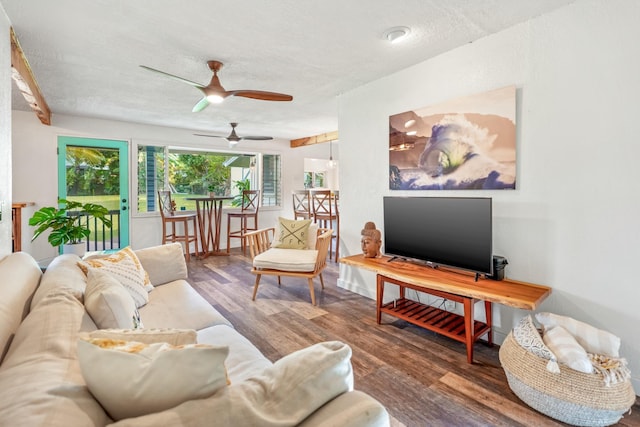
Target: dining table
(209, 213)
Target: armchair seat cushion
(287, 259)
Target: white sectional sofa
(42, 317)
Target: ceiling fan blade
(257, 138)
(258, 94)
(201, 105)
(189, 82)
(210, 136)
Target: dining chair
(170, 217)
(249, 210)
(301, 204)
(324, 209)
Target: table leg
(218, 221)
(210, 237)
(201, 229)
(379, 297)
(489, 319)
(468, 327)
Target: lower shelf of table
(443, 322)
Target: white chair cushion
(287, 259)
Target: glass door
(96, 171)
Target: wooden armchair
(279, 262)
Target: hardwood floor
(423, 379)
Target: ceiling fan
(233, 138)
(214, 93)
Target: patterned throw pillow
(567, 349)
(132, 379)
(126, 268)
(526, 334)
(149, 336)
(292, 234)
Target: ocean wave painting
(467, 143)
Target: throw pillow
(526, 334)
(592, 339)
(108, 302)
(567, 349)
(124, 266)
(292, 234)
(149, 336)
(312, 235)
(164, 263)
(284, 394)
(131, 379)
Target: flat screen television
(448, 231)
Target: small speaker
(499, 263)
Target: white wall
(35, 168)
(574, 221)
(5, 136)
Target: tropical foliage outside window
(190, 173)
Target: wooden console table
(458, 286)
(16, 229)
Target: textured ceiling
(86, 54)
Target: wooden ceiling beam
(25, 80)
(316, 139)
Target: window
(189, 172)
(271, 191)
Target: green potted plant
(241, 185)
(66, 229)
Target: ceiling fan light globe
(215, 99)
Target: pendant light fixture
(331, 163)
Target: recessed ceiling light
(396, 34)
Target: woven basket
(572, 397)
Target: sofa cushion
(284, 394)
(20, 277)
(108, 302)
(131, 379)
(62, 272)
(353, 409)
(292, 234)
(124, 266)
(41, 383)
(149, 336)
(287, 259)
(163, 263)
(178, 305)
(244, 360)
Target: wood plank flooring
(422, 378)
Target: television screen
(449, 231)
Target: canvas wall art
(467, 143)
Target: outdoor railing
(101, 237)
